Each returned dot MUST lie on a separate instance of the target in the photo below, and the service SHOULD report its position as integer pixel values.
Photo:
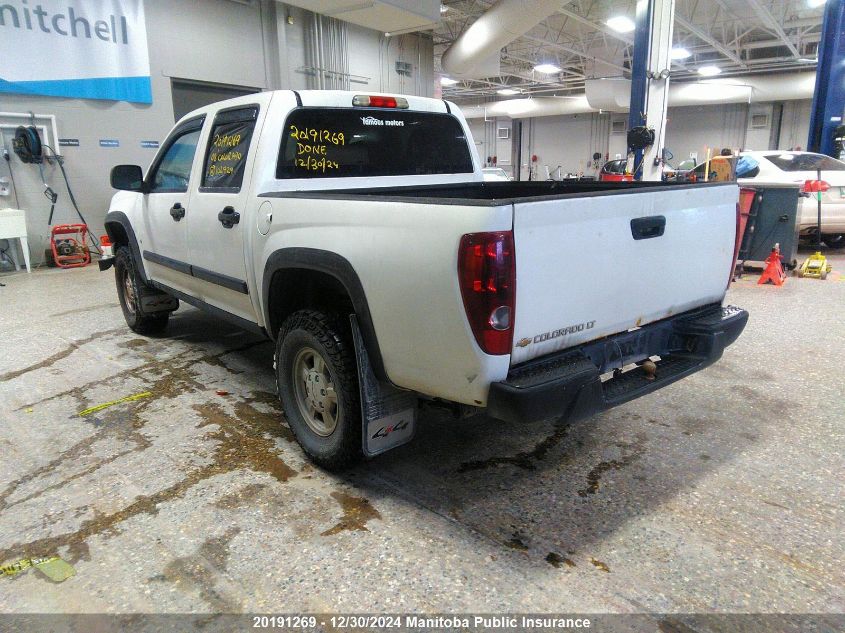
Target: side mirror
(127, 178)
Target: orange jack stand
(774, 269)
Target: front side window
(174, 169)
(341, 142)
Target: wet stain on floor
(136, 343)
(631, 452)
(517, 543)
(85, 309)
(556, 560)
(770, 403)
(199, 573)
(244, 440)
(60, 355)
(240, 497)
(527, 460)
(356, 512)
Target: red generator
(69, 245)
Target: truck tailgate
(592, 265)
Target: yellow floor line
(106, 405)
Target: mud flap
(153, 301)
(389, 415)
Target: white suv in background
(798, 167)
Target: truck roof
(326, 99)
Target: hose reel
(27, 144)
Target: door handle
(229, 217)
(646, 228)
(177, 211)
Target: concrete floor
(721, 493)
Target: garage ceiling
(747, 37)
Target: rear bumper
(569, 384)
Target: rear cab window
(789, 161)
(366, 142)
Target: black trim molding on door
(232, 283)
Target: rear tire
(129, 289)
(835, 241)
(317, 378)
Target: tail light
(376, 101)
(487, 276)
(814, 186)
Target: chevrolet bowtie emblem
(524, 342)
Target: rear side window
(228, 146)
(795, 161)
(341, 142)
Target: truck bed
(490, 193)
(587, 265)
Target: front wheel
(317, 378)
(129, 289)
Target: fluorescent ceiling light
(709, 71)
(815, 4)
(678, 52)
(548, 69)
(621, 24)
(448, 81)
(507, 92)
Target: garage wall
(570, 141)
(250, 45)
(694, 128)
(795, 126)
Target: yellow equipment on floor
(814, 266)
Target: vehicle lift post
(829, 93)
(650, 81)
(827, 111)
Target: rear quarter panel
(405, 255)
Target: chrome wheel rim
(128, 292)
(315, 392)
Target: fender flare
(335, 266)
(119, 218)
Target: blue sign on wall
(109, 142)
(88, 49)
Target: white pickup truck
(356, 231)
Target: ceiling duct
(614, 95)
(468, 57)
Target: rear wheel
(129, 289)
(317, 377)
(834, 240)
